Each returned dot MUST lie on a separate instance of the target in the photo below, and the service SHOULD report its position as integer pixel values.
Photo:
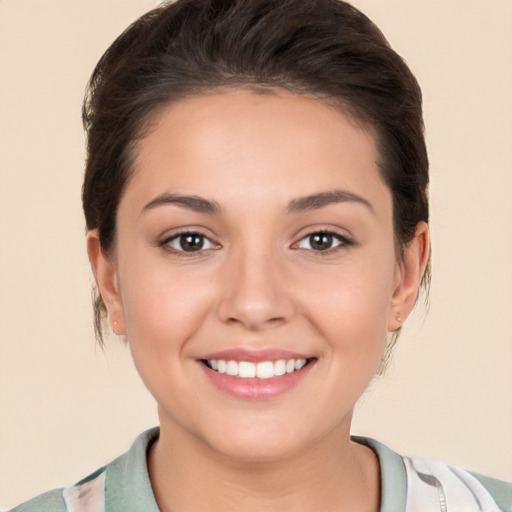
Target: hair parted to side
(325, 48)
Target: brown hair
(322, 47)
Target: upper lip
(255, 356)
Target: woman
(256, 205)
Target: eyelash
(342, 242)
(180, 238)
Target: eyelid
(344, 240)
(164, 241)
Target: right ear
(106, 278)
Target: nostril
(253, 323)
(276, 321)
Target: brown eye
(323, 241)
(189, 242)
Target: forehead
(241, 140)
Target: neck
(334, 474)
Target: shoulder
(121, 484)
(52, 501)
(437, 482)
(421, 485)
(501, 490)
(88, 493)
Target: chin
(261, 441)
(257, 450)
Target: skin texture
(258, 284)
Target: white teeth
(280, 367)
(221, 366)
(265, 370)
(261, 370)
(300, 364)
(246, 370)
(232, 368)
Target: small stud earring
(399, 318)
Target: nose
(256, 294)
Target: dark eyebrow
(315, 201)
(195, 203)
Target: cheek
(163, 307)
(163, 312)
(351, 304)
(354, 323)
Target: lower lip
(256, 389)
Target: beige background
(66, 408)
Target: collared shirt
(407, 485)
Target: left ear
(106, 278)
(410, 270)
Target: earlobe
(106, 279)
(410, 273)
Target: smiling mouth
(260, 370)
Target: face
(254, 272)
